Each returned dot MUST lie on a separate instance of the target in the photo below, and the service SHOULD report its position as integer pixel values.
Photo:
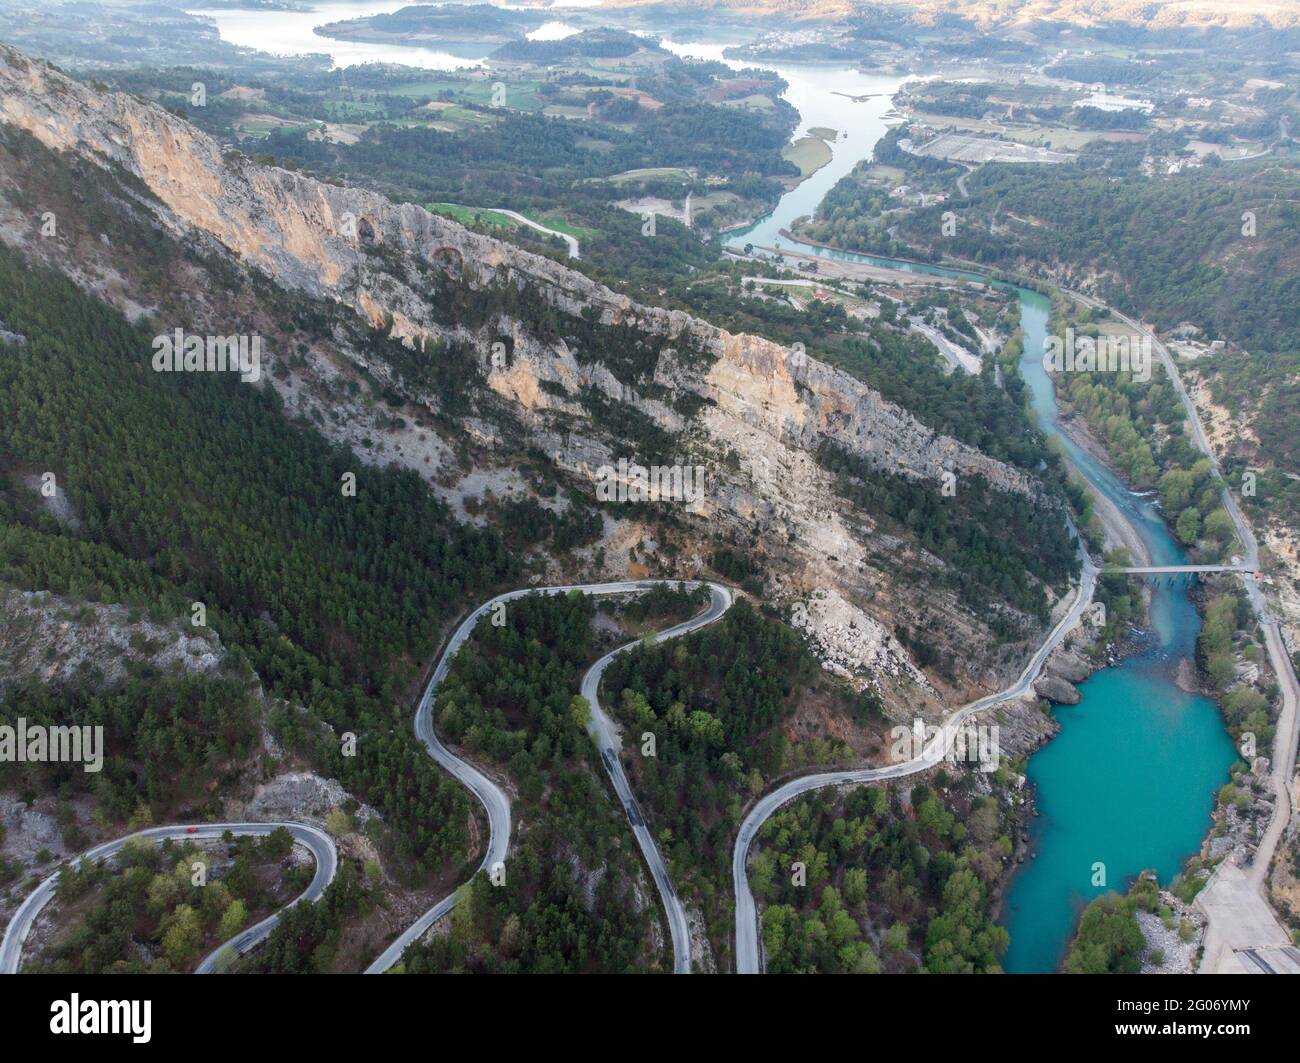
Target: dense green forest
(194, 488)
(1244, 708)
(1261, 392)
(162, 907)
(475, 21)
(533, 162)
(169, 742)
(965, 531)
(1109, 940)
(858, 214)
(569, 902)
(1172, 246)
(589, 44)
(883, 878)
(1121, 597)
(1143, 426)
(307, 938)
(1210, 245)
(522, 152)
(508, 695)
(715, 701)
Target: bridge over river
(1156, 570)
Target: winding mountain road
(605, 732)
(320, 844)
(748, 960)
(495, 800)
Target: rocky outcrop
(1023, 727)
(753, 412)
(1173, 941)
(852, 644)
(352, 246)
(1069, 665)
(1056, 690)
(299, 796)
(58, 640)
(15, 338)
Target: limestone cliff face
(765, 407)
(348, 245)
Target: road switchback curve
(748, 959)
(602, 729)
(318, 843)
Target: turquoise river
(1129, 781)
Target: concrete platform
(1243, 934)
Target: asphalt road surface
(317, 841)
(606, 734)
(495, 800)
(1288, 724)
(571, 241)
(747, 944)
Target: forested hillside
(893, 879)
(1143, 425)
(436, 402)
(167, 740)
(1170, 249)
(574, 898)
(193, 488)
(962, 530)
(149, 904)
(715, 702)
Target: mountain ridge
(590, 375)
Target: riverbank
(1147, 756)
(1118, 532)
(847, 269)
(1239, 808)
(1130, 780)
(809, 153)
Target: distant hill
(428, 23)
(590, 44)
(988, 14)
